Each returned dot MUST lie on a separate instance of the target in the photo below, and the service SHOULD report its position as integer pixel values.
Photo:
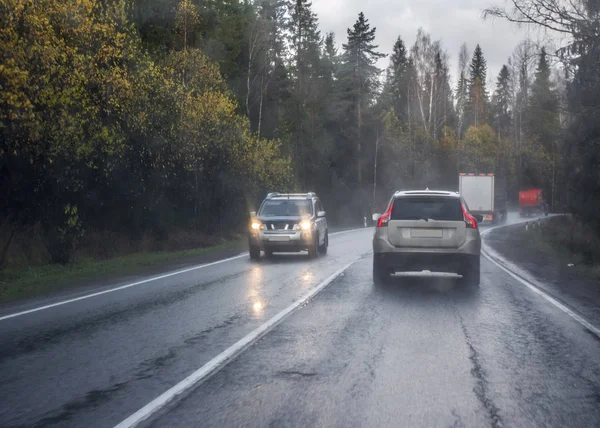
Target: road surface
(420, 351)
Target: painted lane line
(122, 287)
(133, 284)
(500, 262)
(221, 360)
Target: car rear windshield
(427, 207)
(286, 208)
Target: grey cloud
(452, 22)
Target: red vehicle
(531, 202)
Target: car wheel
(313, 248)
(380, 274)
(471, 273)
(323, 248)
(254, 251)
(268, 254)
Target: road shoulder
(522, 246)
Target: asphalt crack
(481, 388)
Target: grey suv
(426, 230)
(289, 222)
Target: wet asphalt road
(416, 352)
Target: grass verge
(566, 242)
(22, 283)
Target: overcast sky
(451, 21)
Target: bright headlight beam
(305, 225)
(256, 225)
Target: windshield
(286, 208)
(427, 208)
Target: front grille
(279, 225)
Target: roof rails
(291, 195)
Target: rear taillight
(385, 218)
(469, 219)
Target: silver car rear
(426, 230)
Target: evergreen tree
(478, 97)
(443, 109)
(397, 79)
(305, 54)
(330, 58)
(360, 77)
(543, 105)
(502, 102)
(543, 129)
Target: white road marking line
(133, 284)
(123, 287)
(585, 323)
(223, 358)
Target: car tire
(313, 248)
(268, 254)
(323, 248)
(380, 274)
(254, 251)
(471, 272)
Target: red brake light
(383, 220)
(469, 219)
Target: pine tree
(502, 102)
(305, 42)
(443, 109)
(360, 76)
(543, 128)
(305, 45)
(543, 105)
(397, 79)
(478, 97)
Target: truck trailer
(485, 194)
(531, 202)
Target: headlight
(256, 225)
(305, 225)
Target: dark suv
(289, 222)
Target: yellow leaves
(479, 150)
(75, 80)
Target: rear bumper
(472, 246)
(417, 262)
(416, 259)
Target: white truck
(485, 194)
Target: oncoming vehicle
(289, 222)
(427, 230)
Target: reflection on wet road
(419, 351)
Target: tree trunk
(358, 145)
(260, 107)
(432, 88)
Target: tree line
(139, 117)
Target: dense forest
(141, 120)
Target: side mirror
(478, 217)
(376, 217)
(253, 214)
(321, 214)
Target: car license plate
(489, 217)
(279, 238)
(426, 233)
